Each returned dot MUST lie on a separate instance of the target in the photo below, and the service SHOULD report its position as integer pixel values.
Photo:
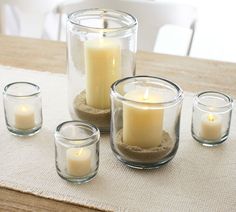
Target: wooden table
(191, 74)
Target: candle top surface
(211, 118)
(144, 96)
(24, 109)
(77, 153)
(161, 92)
(102, 44)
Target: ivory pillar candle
(24, 117)
(142, 124)
(78, 161)
(102, 65)
(210, 127)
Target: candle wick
(105, 25)
(79, 152)
(211, 118)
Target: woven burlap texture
(197, 179)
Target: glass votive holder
(77, 151)
(211, 117)
(145, 121)
(101, 47)
(23, 108)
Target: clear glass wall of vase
(77, 151)
(145, 121)
(23, 108)
(101, 47)
(211, 117)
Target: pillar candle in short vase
(142, 125)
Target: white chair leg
(59, 27)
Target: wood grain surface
(191, 74)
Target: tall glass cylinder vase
(145, 120)
(101, 47)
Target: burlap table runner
(197, 179)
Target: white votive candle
(24, 117)
(211, 126)
(142, 124)
(78, 161)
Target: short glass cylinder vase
(23, 108)
(77, 151)
(145, 121)
(101, 47)
(211, 117)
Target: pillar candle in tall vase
(103, 67)
(101, 47)
(142, 125)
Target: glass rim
(21, 82)
(227, 104)
(175, 100)
(133, 24)
(95, 133)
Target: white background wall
(215, 36)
